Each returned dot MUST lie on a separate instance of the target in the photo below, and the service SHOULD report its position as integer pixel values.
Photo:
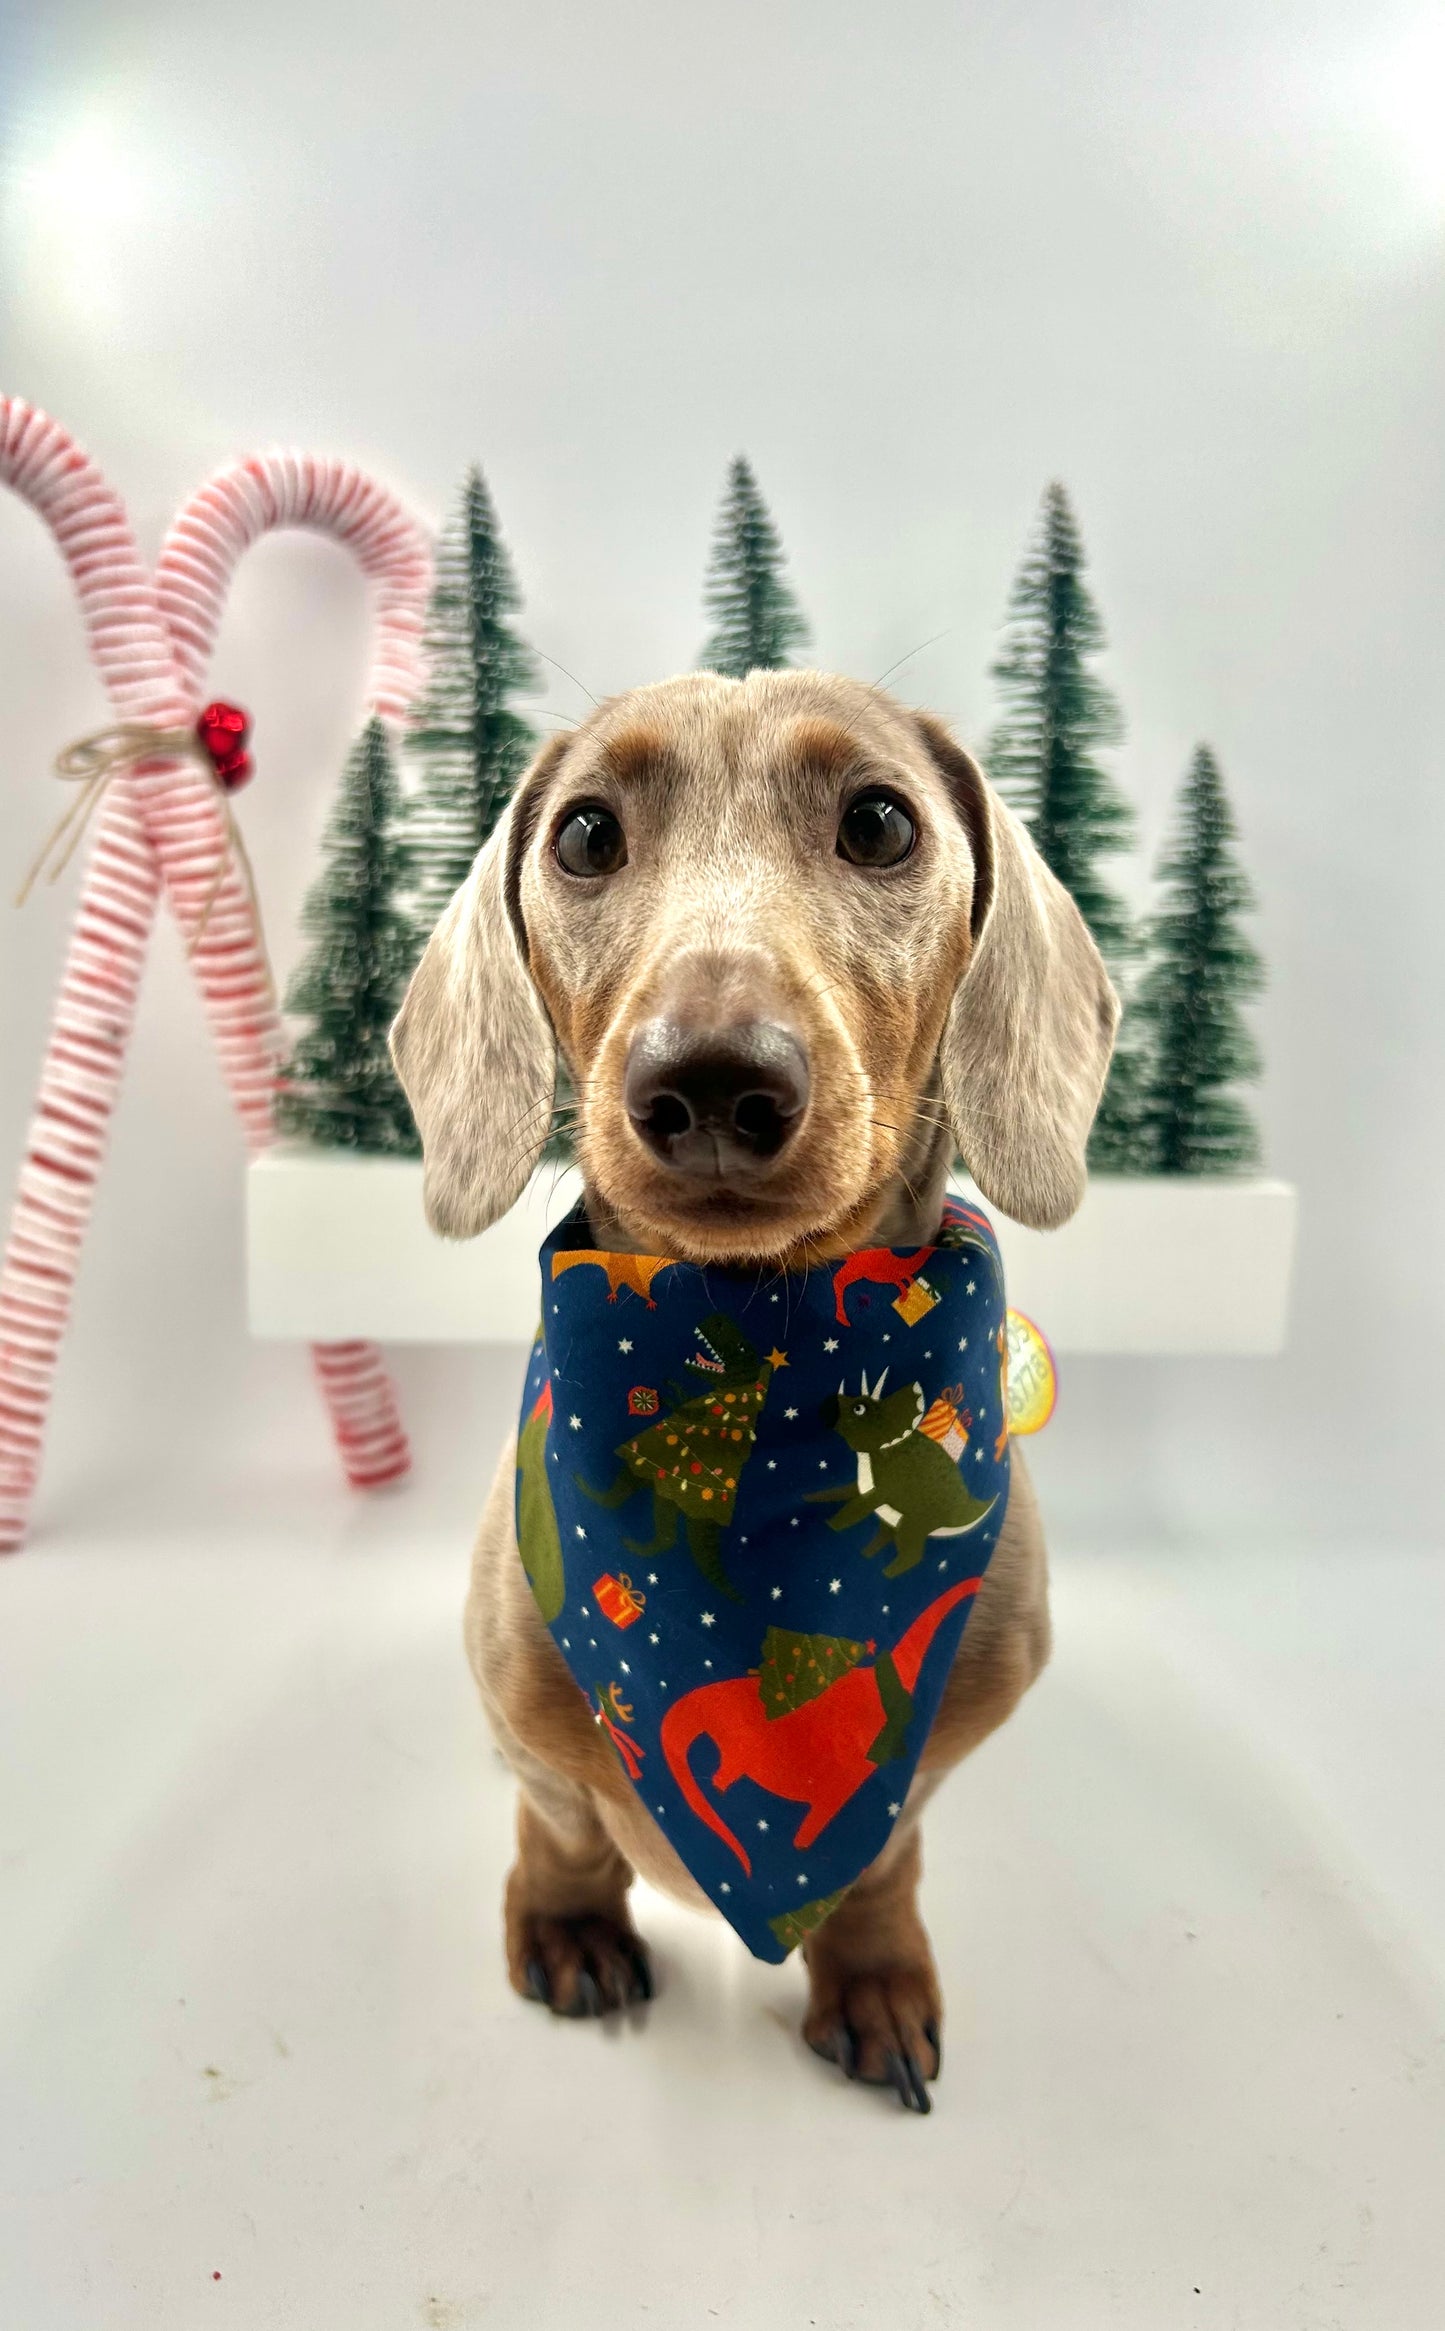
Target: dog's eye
(876, 831)
(591, 841)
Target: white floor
(259, 2066)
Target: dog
(795, 953)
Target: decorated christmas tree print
(757, 622)
(465, 743)
(692, 1459)
(1202, 970)
(1058, 718)
(338, 1087)
(794, 1926)
(795, 1668)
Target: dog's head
(774, 925)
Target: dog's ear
(472, 1043)
(1026, 1045)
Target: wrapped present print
(618, 1599)
(915, 1301)
(947, 1423)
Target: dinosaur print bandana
(754, 1510)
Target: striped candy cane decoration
(162, 824)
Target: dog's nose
(715, 1102)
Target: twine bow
(217, 744)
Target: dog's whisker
(572, 676)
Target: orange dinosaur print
(635, 1272)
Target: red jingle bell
(223, 729)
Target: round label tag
(1032, 1382)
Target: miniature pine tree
(1202, 969)
(1121, 1141)
(1057, 716)
(338, 1087)
(756, 619)
(466, 743)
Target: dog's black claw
(931, 2034)
(839, 2049)
(643, 1987)
(589, 1999)
(909, 2082)
(537, 1982)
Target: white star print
(773, 1299)
(795, 1521)
(725, 1888)
(978, 1456)
(708, 1620)
(830, 1343)
(895, 1810)
(943, 1565)
(972, 1287)
(835, 1586)
(576, 1423)
(777, 1594)
(624, 1343)
(566, 1643)
(762, 1825)
(624, 1667)
(580, 1531)
(653, 1638)
(802, 1877)
(584, 1610)
(790, 1413)
(707, 1663)
(888, 1339)
(963, 1343)
(772, 1464)
(652, 1578)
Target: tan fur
(957, 996)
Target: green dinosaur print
(905, 1480)
(692, 1458)
(541, 1548)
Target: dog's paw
(881, 2027)
(579, 1966)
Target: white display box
(338, 1246)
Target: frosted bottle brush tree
(1202, 969)
(338, 1086)
(757, 622)
(466, 745)
(1045, 753)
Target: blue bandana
(754, 1510)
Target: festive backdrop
(1188, 266)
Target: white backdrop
(915, 260)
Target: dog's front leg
(570, 1940)
(875, 2007)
